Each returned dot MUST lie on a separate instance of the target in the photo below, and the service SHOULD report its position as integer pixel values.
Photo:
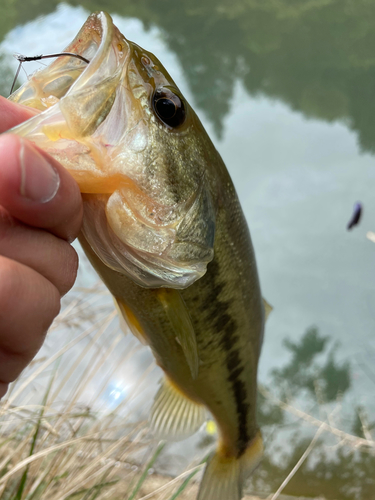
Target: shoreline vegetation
(66, 432)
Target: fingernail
(39, 180)
(3, 389)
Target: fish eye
(169, 107)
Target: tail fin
(224, 476)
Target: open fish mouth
(94, 121)
(93, 42)
(75, 98)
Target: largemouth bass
(164, 229)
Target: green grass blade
(187, 480)
(88, 491)
(102, 484)
(138, 486)
(23, 480)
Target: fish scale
(223, 339)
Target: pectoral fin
(179, 318)
(173, 415)
(128, 319)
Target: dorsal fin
(267, 308)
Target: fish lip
(106, 36)
(109, 62)
(106, 25)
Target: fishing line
(21, 59)
(27, 76)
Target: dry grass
(58, 439)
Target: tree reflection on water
(314, 379)
(317, 56)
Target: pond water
(286, 91)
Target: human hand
(40, 215)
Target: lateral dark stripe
(233, 363)
(226, 327)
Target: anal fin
(173, 415)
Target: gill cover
(93, 122)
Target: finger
(12, 114)
(50, 256)
(37, 190)
(21, 335)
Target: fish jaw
(75, 99)
(98, 120)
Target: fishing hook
(21, 59)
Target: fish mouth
(76, 99)
(99, 42)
